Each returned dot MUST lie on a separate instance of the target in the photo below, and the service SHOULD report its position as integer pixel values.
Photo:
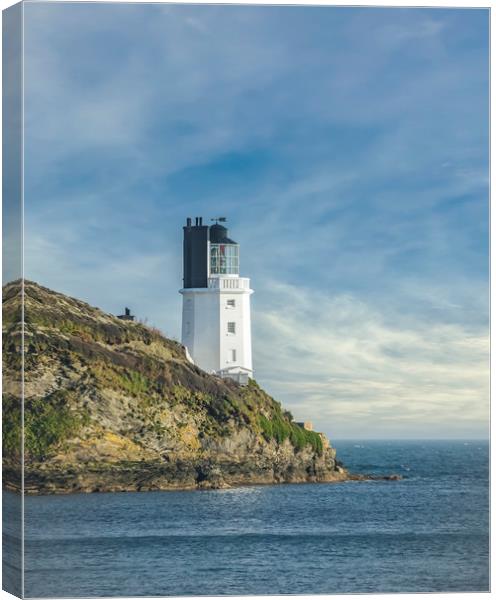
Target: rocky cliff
(114, 405)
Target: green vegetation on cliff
(48, 422)
(279, 429)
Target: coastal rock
(113, 405)
(368, 477)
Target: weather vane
(219, 219)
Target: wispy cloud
(340, 361)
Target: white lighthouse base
(216, 328)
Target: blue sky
(348, 148)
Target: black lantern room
(208, 252)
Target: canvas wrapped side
(12, 313)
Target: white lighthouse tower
(216, 326)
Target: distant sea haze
(428, 532)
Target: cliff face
(114, 405)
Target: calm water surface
(428, 532)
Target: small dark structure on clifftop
(127, 316)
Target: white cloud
(400, 33)
(344, 364)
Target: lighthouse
(216, 326)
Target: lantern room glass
(224, 259)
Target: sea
(426, 533)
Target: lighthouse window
(233, 355)
(231, 327)
(231, 303)
(224, 259)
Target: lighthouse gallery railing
(229, 283)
